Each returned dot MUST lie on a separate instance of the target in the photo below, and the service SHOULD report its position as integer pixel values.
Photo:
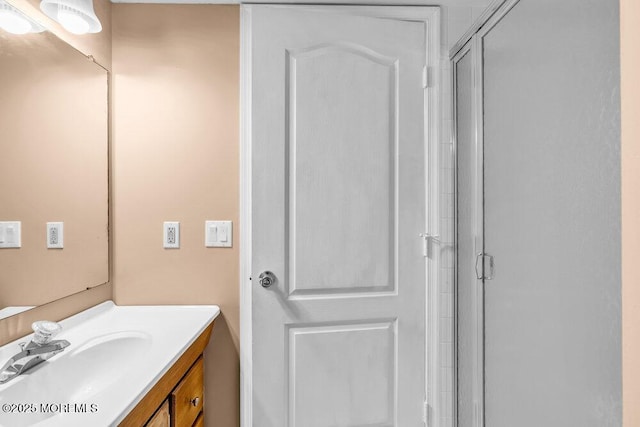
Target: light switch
(218, 234)
(223, 235)
(10, 234)
(212, 234)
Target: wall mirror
(53, 169)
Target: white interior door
(337, 128)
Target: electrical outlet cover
(171, 235)
(55, 235)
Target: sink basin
(86, 370)
(116, 354)
(106, 370)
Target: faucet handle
(44, 331)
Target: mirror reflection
(53, 171)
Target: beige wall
(98, 45)
(175, 158)
(630, 64)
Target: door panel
(338, 202)
(342, 132)
(360, 375)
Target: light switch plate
(10, 234)
(218, 234)
(55, 235)
(171, 235)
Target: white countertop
(117, 354)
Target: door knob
(266, 279)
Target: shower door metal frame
(472, 42)
(470, 48)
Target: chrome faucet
(35, 352)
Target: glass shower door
(468, 293)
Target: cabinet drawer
(200, 421)
(187, 398)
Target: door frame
(430, 16)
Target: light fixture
(15, 22)
(76, 16)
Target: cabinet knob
(195, 401)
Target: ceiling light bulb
(13, 22)
(76, 16)
(73, 22)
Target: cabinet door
(187, 398)
(161, 417)
(200, 421)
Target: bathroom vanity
(127, 366)
(177, 398)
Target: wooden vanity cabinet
(161, 418)
(200, 421)
(187, 398)
(177, 399)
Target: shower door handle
(481, 264)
